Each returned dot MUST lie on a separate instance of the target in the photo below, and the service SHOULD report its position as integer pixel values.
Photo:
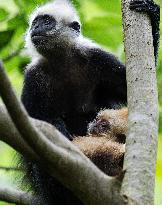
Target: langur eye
(47, 19)
(43, 19)
(75, 25)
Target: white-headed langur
(69, 83)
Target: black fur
(67, 89)
(70, 90)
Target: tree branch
(19, 197)
(141, 144)
(63, 160)
(68, 165)
(10, 135)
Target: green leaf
(102, 30)
(18, 3)
(28, 6)
(3, 14)
(5, 37)
(16, 21)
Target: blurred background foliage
(101, 22)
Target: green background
(101, 21)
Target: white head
(54, 25)
(60, 10)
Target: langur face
(47, 33)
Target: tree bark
(68, 164)
(141, 144)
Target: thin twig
(19, 197)
(11, 169)
(13, 54)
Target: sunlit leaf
(5, 37)
(3, 14)
(18, 20)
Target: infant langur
(105, 142)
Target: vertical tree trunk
(141, 145)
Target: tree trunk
(141, 144)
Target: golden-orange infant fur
(105, 141)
